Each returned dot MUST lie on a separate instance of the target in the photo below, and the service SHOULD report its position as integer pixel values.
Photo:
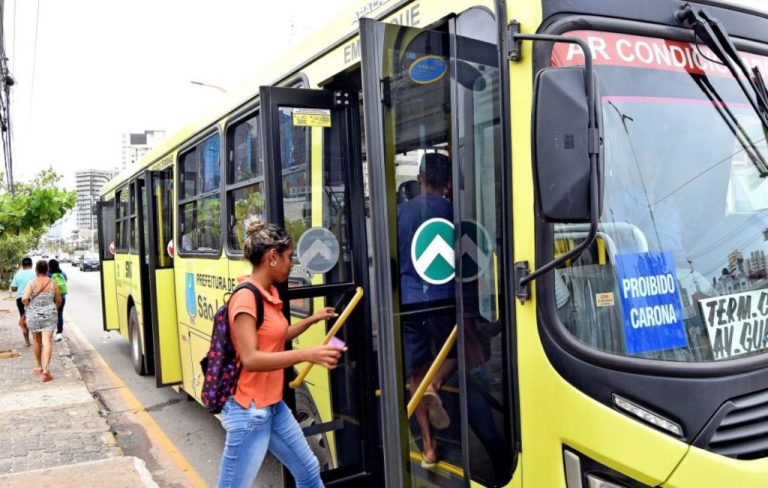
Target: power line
(34, 58)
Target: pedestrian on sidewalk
(42, 300)
(60, 278)
(18, 285)
(255, 417)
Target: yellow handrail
(339, 322)
(427, 380)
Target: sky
(88, 71)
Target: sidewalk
(52, 434)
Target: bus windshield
(678, 271)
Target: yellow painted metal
(112, 321)
(440, 466)
(168, 327)
(427, 380)
(600, 251)
(705, 469)
(334, 330)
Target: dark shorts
(20, 306)
(423, 339)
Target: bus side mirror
(563, 143)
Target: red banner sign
(611, 49)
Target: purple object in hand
(336, 342)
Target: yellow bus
(596, 247)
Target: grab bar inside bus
(336, 327)
(427, 380)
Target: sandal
(438, 417)
(47, 377)
(37, 370)
(430, 464)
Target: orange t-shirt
(264, 388)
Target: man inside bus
(190, 240)
(424, 335)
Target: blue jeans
(60, 319)
(250, 432)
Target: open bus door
(160, 278)
(439, 228)
(313, 163)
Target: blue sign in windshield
(650, 302)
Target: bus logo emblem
(434, 256)
(432, 251)
(189, 287)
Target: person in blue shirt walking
(60, 278)
(18, 285)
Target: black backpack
(221, 366)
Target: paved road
(196, 433)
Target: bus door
(105, 210)
(313, 162)
(162, 293)
(437, 201)
(141, 336)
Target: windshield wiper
(741, 135)
(714, 36)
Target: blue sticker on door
(650, 302)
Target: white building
(88, 184)
(137, 144)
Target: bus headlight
(647, 416)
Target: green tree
(25, 216)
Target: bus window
(121, 226)
(133, 243)
(294, 154)
(245, 181)
(107, 228)
(162, 193)
(199, 205)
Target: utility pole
(5, 102)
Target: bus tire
(137, 353)
(306, 415)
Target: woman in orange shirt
(255, 417)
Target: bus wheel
(137, 356)
(307, 415)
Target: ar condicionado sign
(646, 52)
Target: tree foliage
(25, 216)
(34, 205)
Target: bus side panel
(169, 356)
(201, 285)
(198, 348)
(185, 361)
(109, 294)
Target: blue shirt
(21, 279)
(410, 215)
